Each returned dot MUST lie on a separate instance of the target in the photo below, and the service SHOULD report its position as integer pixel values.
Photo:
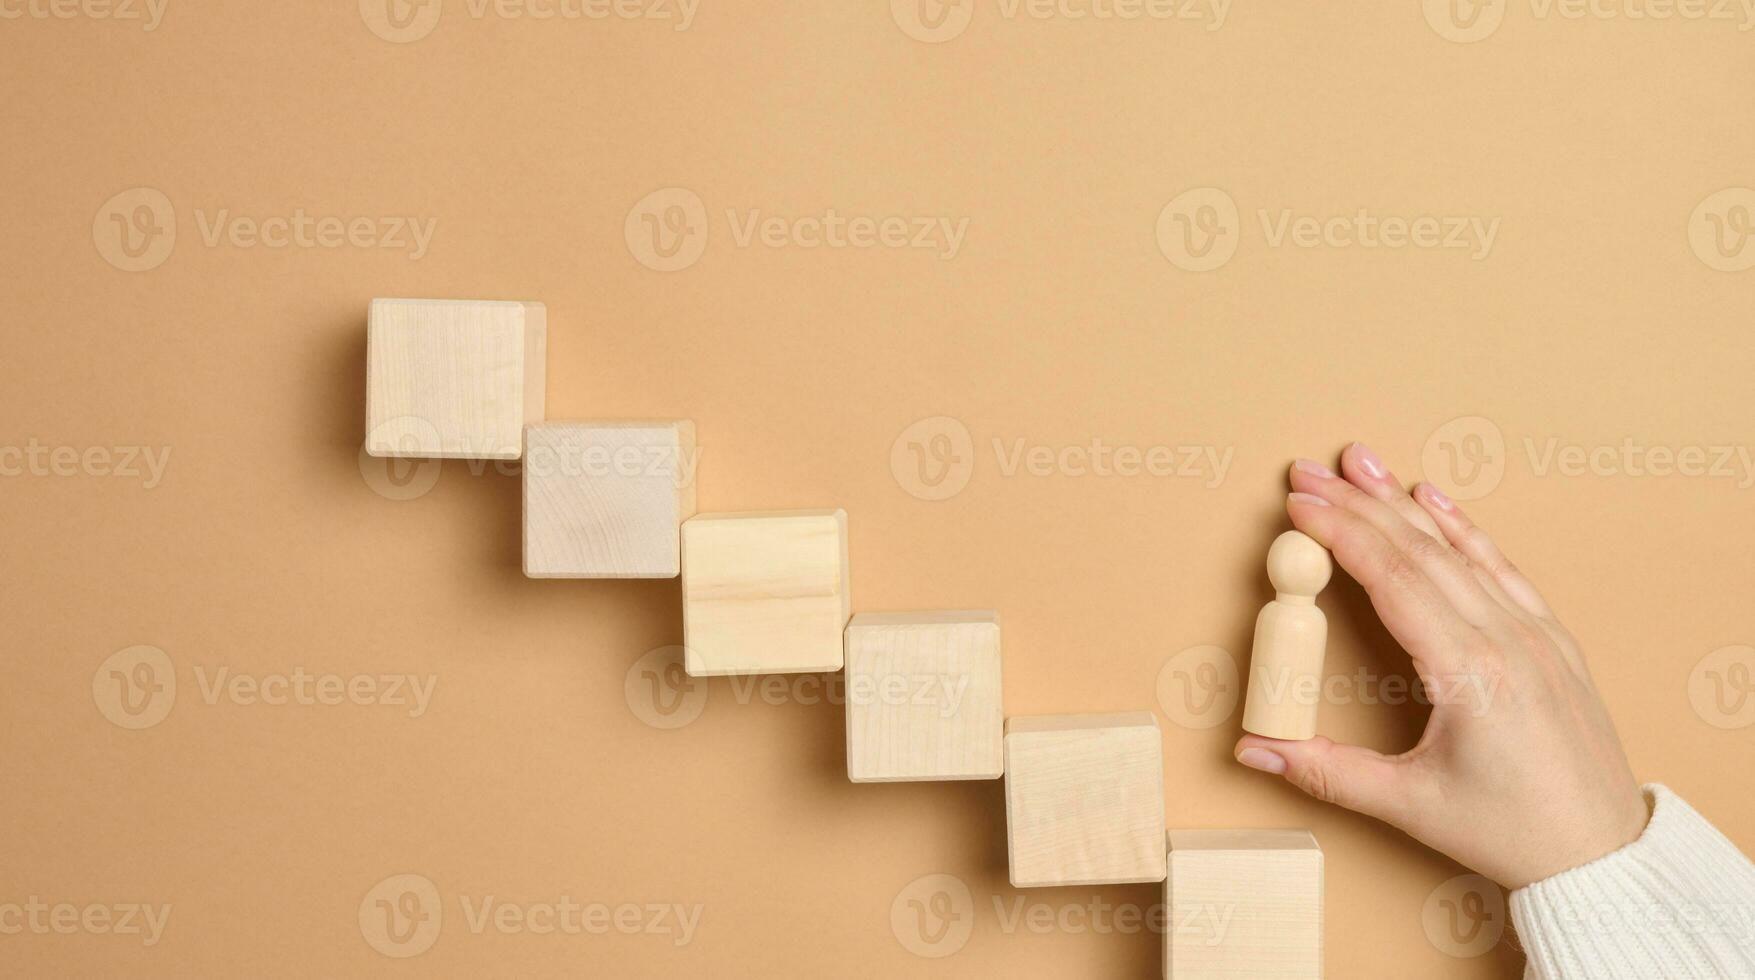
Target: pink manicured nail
(1314, 468)
(1262, 759)
(1307, 498)
(1369, 462)
(1437, 497)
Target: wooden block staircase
(769, 592)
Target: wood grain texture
(765, 592)
(924, 698)
(1291, 642)
(607, 499)
(454, 379)
(1084, 799)
(1243, 905)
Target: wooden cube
(453, 379)
(923, 697)
(607, 499)
(1243, 905)
(1084, 799)
(764, 593)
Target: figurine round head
(1297, 565)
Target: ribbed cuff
(1678, 903)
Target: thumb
(1346, 775)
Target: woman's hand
(1519, 774)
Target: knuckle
(1423, 549)
(1399, 571)
(1353, 498)
(1480, 544)
(1531, 638)
(1489, 653)
(1318, 782)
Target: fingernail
(1437, 497)
(1369, 462)
(1262, 759)
(1314, 468)
(1307, 498)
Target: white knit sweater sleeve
(1676, 904)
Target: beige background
(265, 548)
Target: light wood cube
(607, 499)
(764, 593)
(923, 697)
(453, 379)
(1243, 905)
(1084, 799)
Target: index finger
(1411, 606)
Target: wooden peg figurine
(1291, 635)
